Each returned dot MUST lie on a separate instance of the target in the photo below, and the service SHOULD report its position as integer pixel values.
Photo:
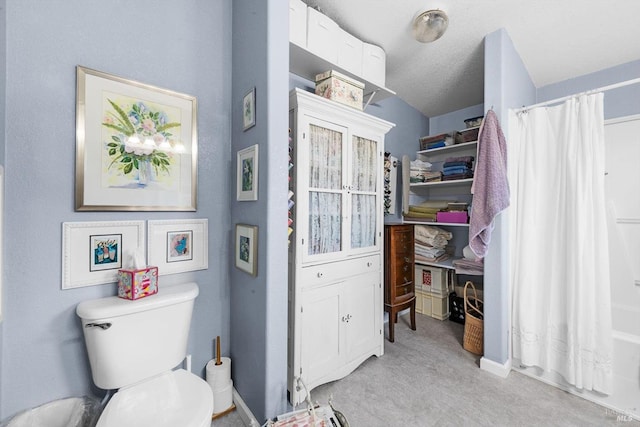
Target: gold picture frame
(136, 146)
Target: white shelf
(448, 149)
(451, 183)
(447, 263)
(305, 64)
(434, 223)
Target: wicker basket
(473, 321)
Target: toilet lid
(176, 398)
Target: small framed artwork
(249, 110)
(136, 146)
(93, 252)
(247, 248)
(177, 246)
(247, 174)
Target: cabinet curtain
(325, 190)
(363, 199)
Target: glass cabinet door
(364, 182)
(325, 190)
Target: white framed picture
(247, 248)
(247, 174)
(179, 245)
(249, 110)
(93, 252)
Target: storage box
(431, 279)
(423, 303)
(298, 22)
(435, 141)
(338, 87)
(322, 36)
(456, 217)
(349, 53)
(136, 284)
(440, 307)
(374, 62)
(467, 135)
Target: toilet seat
(176, 398)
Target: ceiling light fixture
(430, 25)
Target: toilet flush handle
(103, 326)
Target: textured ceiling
(556, 39)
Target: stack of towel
(426, 211)
(431, 243)
(420, 171)
(457, 168)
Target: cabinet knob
(320, 274)
(346, 318)
(369, 263)
(407, 259)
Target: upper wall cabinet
(318, 44)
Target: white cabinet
(335, 270)
(341, 328)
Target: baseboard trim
(501, 370)
(243, 410)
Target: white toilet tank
(129, 341)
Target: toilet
(134, 347)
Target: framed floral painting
(136, 146)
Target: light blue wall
(454, 120)
(3, 81)
(507, 85)
(259, 304)
(621, 102)
(183, 46)
(403, 139)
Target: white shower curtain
(559, 259)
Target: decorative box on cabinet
(335, 256)
(399, 284)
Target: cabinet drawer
(403, 271)
(332, 271)
(403, 241)
(404, 292)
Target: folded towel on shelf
(453, 170)
(425, 231)
(466, 159)
(435, 241)
(453, 177)
(490, 187)
(467, 266)
(457, 163)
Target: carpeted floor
(425, 378)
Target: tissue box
(136, 284)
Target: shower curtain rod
(564, 98)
